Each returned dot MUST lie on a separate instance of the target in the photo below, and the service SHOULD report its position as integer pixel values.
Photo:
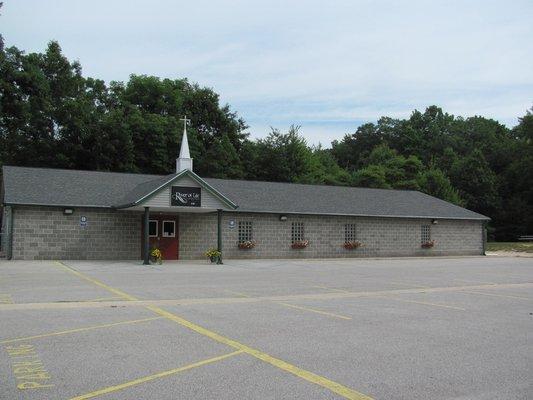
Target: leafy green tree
(212, 120)
(524, 129)
(476, 183)
(1, 37)
(325, 170)
(53, 116)
(435, 183)
(351, 152)
(372, 176)
(387, 169)
(39, 104)
(489, 136)
(222, 160)
(281, 157)
(153, 109)
(515, 217)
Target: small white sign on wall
(83, 221)
(231, 223)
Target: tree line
(53, 116)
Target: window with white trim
(425, 233)
(350, 233)
(153, 226)
(245, 231)
(169, 228)
(297, 232)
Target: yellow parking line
(242, 300)
(477, 282)
(497, 295)
(422, 302)
(398, 299)
(313, 310)
(237, 293)
(410, 285)
(333, 289)
(148, 378)
(335, 387)
(96, 282)
(6, 298)
(105, 299)
(283, 365)
(88, 328)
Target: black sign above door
(185, 196)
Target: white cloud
(327, 66)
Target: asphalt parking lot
(442, 328)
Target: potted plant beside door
(213, 255)
(156, 256)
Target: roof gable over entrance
(181, 190)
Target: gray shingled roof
(58, 187)
(61, 187)
(142, 189)
(337, 200)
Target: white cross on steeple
(184, 160)
(185, 123)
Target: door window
(169, 228)
(152, 227)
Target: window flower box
(428, 245)
(300, 244)
(247, 244)
(352, 245)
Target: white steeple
(184, 161)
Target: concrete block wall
(44, 233)
(4, 229)
(197, 233)
(380, 236)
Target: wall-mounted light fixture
(434, 221)
(283, 218)
(68, 211)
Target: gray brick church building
(67, 214)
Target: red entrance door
(163, 234)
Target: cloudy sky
(325, 65)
